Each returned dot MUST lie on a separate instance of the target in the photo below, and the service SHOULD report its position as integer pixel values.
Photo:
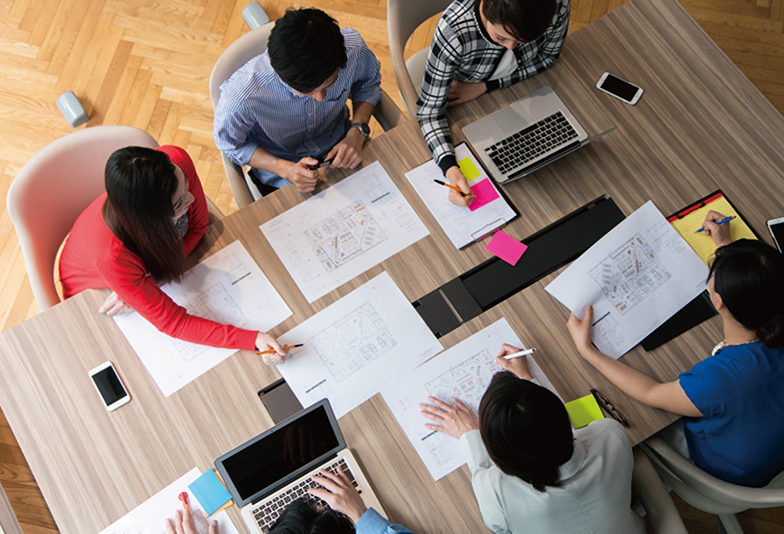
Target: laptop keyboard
(529, 143)
(268, 512)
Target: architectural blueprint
(228, 287)
(635, 277)
(355, 346)
(343, 231)
(151, 515)
(462, 372)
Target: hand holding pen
(717, 226)
(460, 194)
(272, 352)
(515, 361)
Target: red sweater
(94, 258)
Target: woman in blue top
(734, 400)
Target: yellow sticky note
(468, 169)
(702, 244)
(583, 411)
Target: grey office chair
(653, 499)
(403, 17)
(53, 188)
(235, 56)
(706, 492)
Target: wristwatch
(363, 128)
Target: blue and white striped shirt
(256, 109)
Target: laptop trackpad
(513, 119)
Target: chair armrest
(654, 497)
(387, 113)
(239, 187)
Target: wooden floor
(146, 63)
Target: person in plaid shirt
(479, 46)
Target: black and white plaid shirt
(462, 50)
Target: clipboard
(686, 222)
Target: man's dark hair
(525, 429)
(525, 20)
(305, 48)
(303, 517)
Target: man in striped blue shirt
(287, 107)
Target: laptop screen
(282, 454)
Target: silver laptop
(273, 469)
(526, 135)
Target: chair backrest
(701, 489)
(53, 188)
(403, 17)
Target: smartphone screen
(777, 230)
(109, 385)
(620, 88)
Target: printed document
(462, 372)
(636, 277)
(461, 225)
(150, 516)
(343, 231)
(228, 287)
(355, 346)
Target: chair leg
(728, 524)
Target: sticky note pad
(210, 492)
(468, 169)
(583, 411)
(505, 247)
(484, 193)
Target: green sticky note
(468, 168)
(583, 411)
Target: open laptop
(526, 135)
(273, 469)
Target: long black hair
(140, 184)
(749, 278)
(525, 429)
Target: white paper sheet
(462, 372)
(150, 516)
(355, 346)
(228, 287)
(461, 225)
(635, 277)
(343, 231)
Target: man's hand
(298, 173)
(719, 232)
(183, 524)
(581, 330)
(456, 178)
(516, 366)
(451, 421)
(348, 152)
(339, 494)
(460, 92)
(267, 342)
(114, 305)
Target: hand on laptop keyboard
(339, 493)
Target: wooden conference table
(700, 126)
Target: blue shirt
(372, 522)
(256, 109)
(740, 392)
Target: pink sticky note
(507, 248)
(484, 193)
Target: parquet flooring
(146, 63)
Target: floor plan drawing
(340, 237)
(467, 381)
(629, 274)
(353, 342)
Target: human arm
(719, 232)
(298, 173)
(667, 396)
(348, 152)
(516, 366)
(183, 524)
(451, 420)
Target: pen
(724, 220)
(285, 347)
(450, 186)
(519, 354)
(184, 498)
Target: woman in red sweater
(136, 236)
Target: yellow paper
(702, 244)
(468, 168)
(583, 411)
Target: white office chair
(403, 18)
(53, 188)
(235, 56)
(706, 492)
(652, 497)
